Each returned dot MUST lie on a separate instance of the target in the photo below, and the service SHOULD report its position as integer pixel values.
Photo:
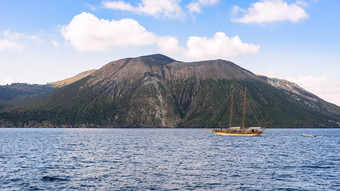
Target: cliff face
(157, 91)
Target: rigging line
(249, 107)
(222, 114)
(225, 108)
(218, 112)
(254, 115)
(214, 118)
(264, 121)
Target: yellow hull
(237, 133)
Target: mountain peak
(159, 57)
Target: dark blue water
(168, 159)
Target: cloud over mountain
(86, 32)
(220, 45)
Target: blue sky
(43, 41)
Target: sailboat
(242, 130)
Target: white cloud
(35, 39)
(320, 86)
(302, 3)
(235, 10)
(88, 33)
(218, 46)
(120, 5)
(6, 44)
(16, 41)
(92, 7)
(12, 35)
(270, 11)
(10, 42)
(20, 36)
(155, 8)
(208, 2)
(196, 6)
(170, 46)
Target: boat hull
(237, 133)
(308, 135)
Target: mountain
(157, 91)
(70, 80)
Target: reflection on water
(168, 159)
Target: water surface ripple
(168, 159)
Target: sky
(43, 41)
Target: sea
(168, 159)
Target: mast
(244, 106)
(231, 107)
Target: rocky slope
(302, 96)
(157, 91)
